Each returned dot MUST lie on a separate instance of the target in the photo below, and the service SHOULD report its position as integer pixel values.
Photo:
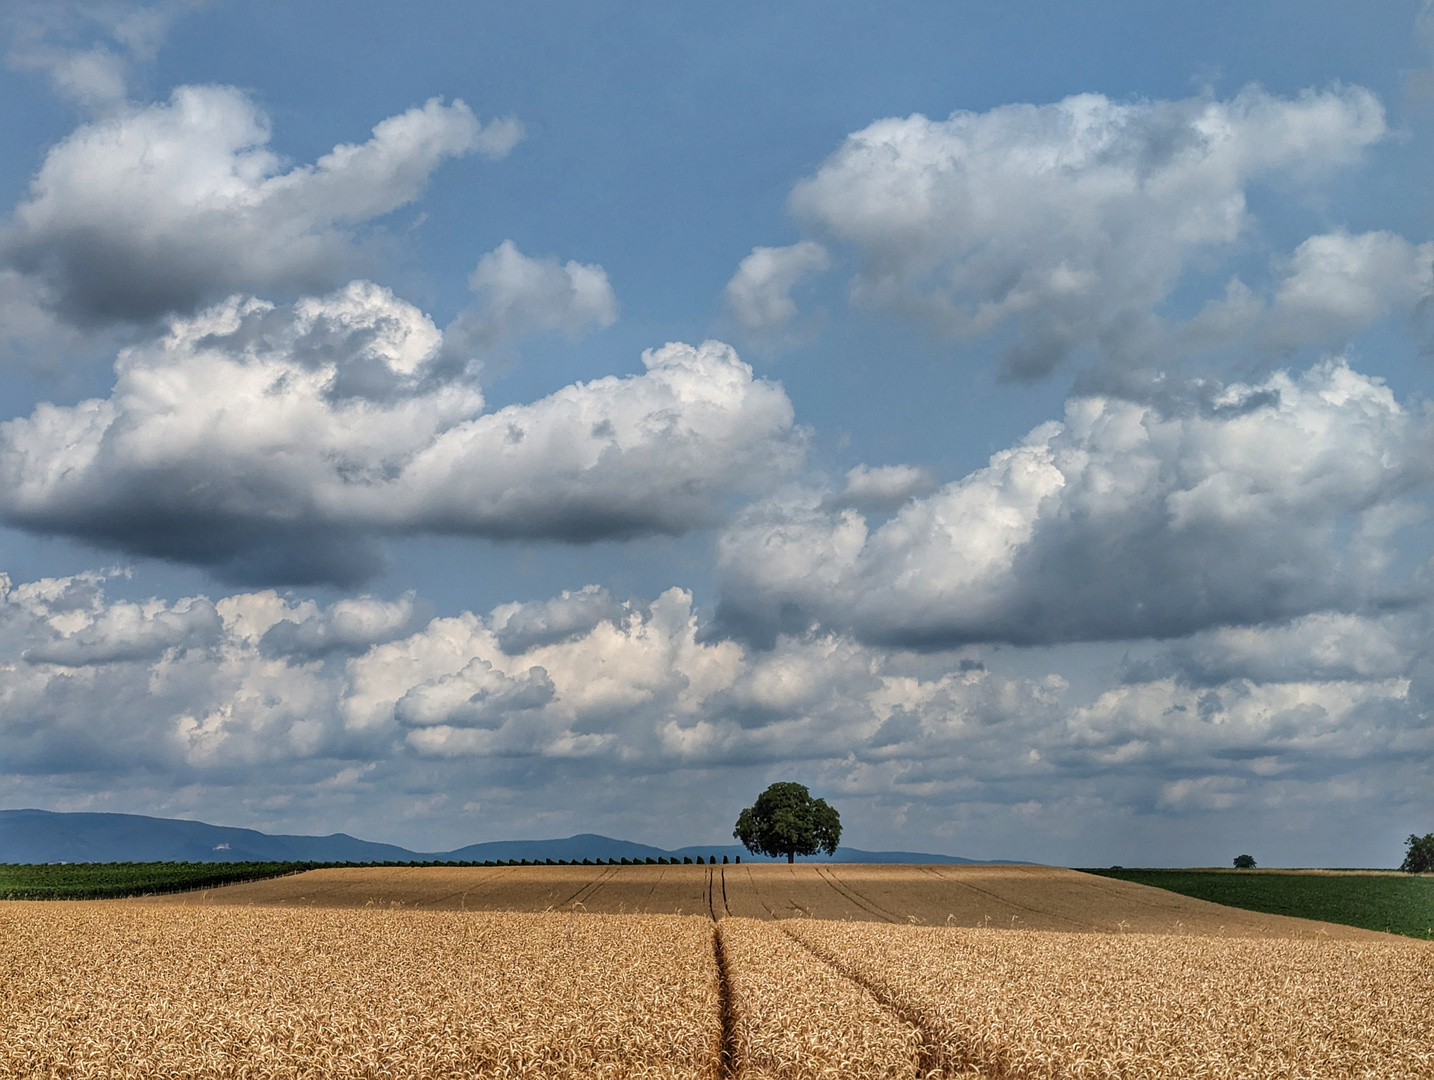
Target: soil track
(1007, 897)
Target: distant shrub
(687, 860)
(724, 860)
(1244, 862)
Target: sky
(451, 422)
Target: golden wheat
(141, 991)
(1034, 1004)
(1013, 897)
(795, 1018)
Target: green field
(1397, 903)
(104, 881)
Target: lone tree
(1420, 858)
(1244, 862)
(786, 820)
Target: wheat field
(796, 1018)
(1011, 897)
(1036, 1005)
(132, 990)
(96, 989)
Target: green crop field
(1397, 903)
(103, 881)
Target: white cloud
(127, 631)
(1267, 727)
(1250, 504)
(1324, 647)
(279, 442)
(644, 701)
(1073, 220)
(520, 296)
(158, 209)
(1337, 284)
(88, 50)
(760, 292)
(520, 627)
(476, 697)
(883, 488)
(149, 688)
(1326, 291)
(347, 626)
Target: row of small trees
(686, 860)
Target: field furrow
(1037, 1005)
(107, 990)
(796, 1018)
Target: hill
(43, 836)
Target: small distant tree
(1420, 857)
(1244, 862)
(786, 820)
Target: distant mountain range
(41, 836)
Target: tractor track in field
(714, 882)
(1007, 901)
(752, 883)
(727, 1065)
(933, 1058)
(871, 907)
(588, 888)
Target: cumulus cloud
(159, 209)
(1246, 504)
(645, 699)
(280, 443)
(1337, 283)
(131, 632)
(1327, 290)
(882, 488)
(1324, 647)
(476, 697)
(1224, 739)
(520, 627)
(760, 292)
(1071, 221)
(520, 296)
(88, 50)
(347, 626)
(91, 687)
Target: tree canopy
(786, 820)
(1420, 857)
(1244, 862)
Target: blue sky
(462, 422)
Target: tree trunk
(791, 858)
